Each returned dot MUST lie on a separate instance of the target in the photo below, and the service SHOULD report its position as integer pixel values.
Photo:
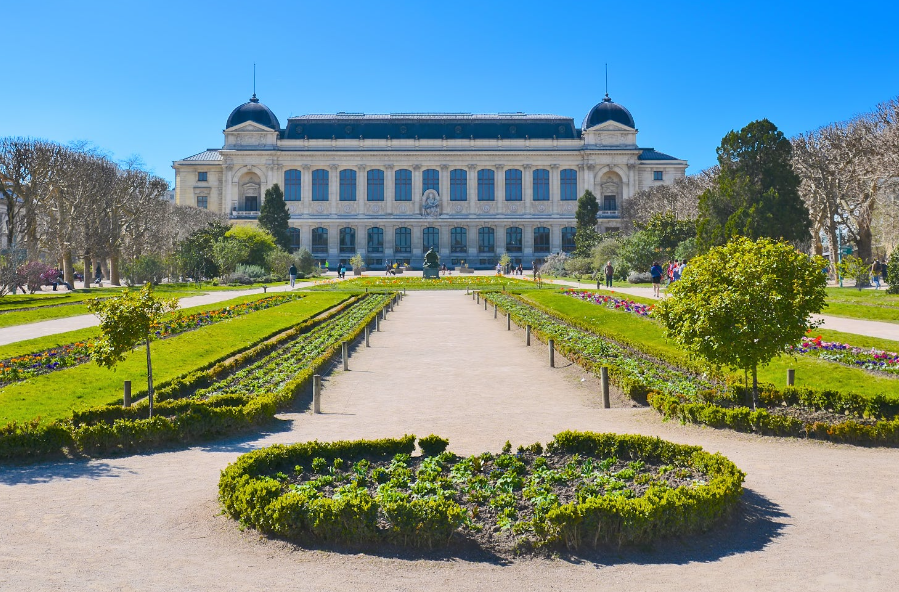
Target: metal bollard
(527, 335)
(317, 393)
(126, 398)
(494, 310)
(367, 335)
(508, 321)
(485, 304)
(552, 354)
(791, 377)
(377, 322)
(344, 350)
(604, 379)
(479, 297)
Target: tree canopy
(586, 237)
(756, 192)
(742, 304)
(274, 216)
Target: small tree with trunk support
(741, 304)
(126, 321)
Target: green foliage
(855, 268)
(607, 250)
(357, 261)
(278, 263)
(893, 273)
(578, 267)
(195, 253)
(259, 242)
(432, 445)
(668, 231)
(306, 262)
(505, 260)
(586, 237)
(686, 250)
(145, 269)
(756, 193)
(637, 253)
(274, 216)
(228, 254)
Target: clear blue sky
(158, 79)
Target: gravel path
(816, 516)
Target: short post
(552, 354)
(366, 289)
(478, 295)
(367, 335)
(494, 309)
(485, 304)
(344, 351)
(508, 321)
(377, 322)
(317, 393)
(604, 379)
(527, 335)
(264, 289)
(126, 398)
(791, 377)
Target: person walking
(609, 272)
(655, 272)
(292, 272)
(875, 274)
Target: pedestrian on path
(292, 272)
(609, 272)
(875, 274)
(655, 273)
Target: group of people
(879, 270)
(513, 270)
(671, 273)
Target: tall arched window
(294, 235)
(292, 185)
(458, 185)
(513, 239)
(541, 239)
(375, 240)
(430, 179)
(541, 185)
(459, 240)
(402, 241)
(320, 185)
(486, 240)
(568, 185)
(347, 185)
(568, 238)
(347, 241)
(430, 238)
(375, 185)
(513, 185)
(402, 188)
(320, 241)
(486, 185)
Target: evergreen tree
(586, 237)
(274, 216)
(756, 193)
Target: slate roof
(254, 111)
(431, 126)
(606, 110)
(651, 154)
(210, 154)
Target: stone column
(306, 189)
(389, 188)
(499, 234)
(444, 183)
(416, 184)
(555, 188)
(472, 259)
(500, 196)
(590, 182)
(417, 252)
(333, 188)
(581, 180)
(527, 188)
(361, 188)
(555, 238)
(472, 188)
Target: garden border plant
(113, 429)
(295, 492)
(869, 420)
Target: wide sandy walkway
(816, 516)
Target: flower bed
(444, 282)
(24, 367)
(582, 490)
(867, 358)
(180, 419)
(610, 302)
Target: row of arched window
(430, 179)
(430, 237)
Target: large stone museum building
(391, 186)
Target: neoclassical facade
(473, 186)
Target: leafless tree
(680, 198)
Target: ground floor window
(319, 240)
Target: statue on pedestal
(431, 268)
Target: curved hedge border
(114, 429)
(251, 490)
(702, 407)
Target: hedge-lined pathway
(818, 516)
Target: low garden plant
(582, 490)
(444, 282)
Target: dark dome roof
(608, 111)
(253, 111)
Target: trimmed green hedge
(113, 429)
(252, 490)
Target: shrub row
(113, 429)
(702, 405)
(252, 491)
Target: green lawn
(872, 305)
(447, 282)
(810, 371)
(56, 395)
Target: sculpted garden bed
(582, 490)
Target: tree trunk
(864, 243)
(114, 271)
(149, 377)
(68, 273)
(755, 385)
(87, 271)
